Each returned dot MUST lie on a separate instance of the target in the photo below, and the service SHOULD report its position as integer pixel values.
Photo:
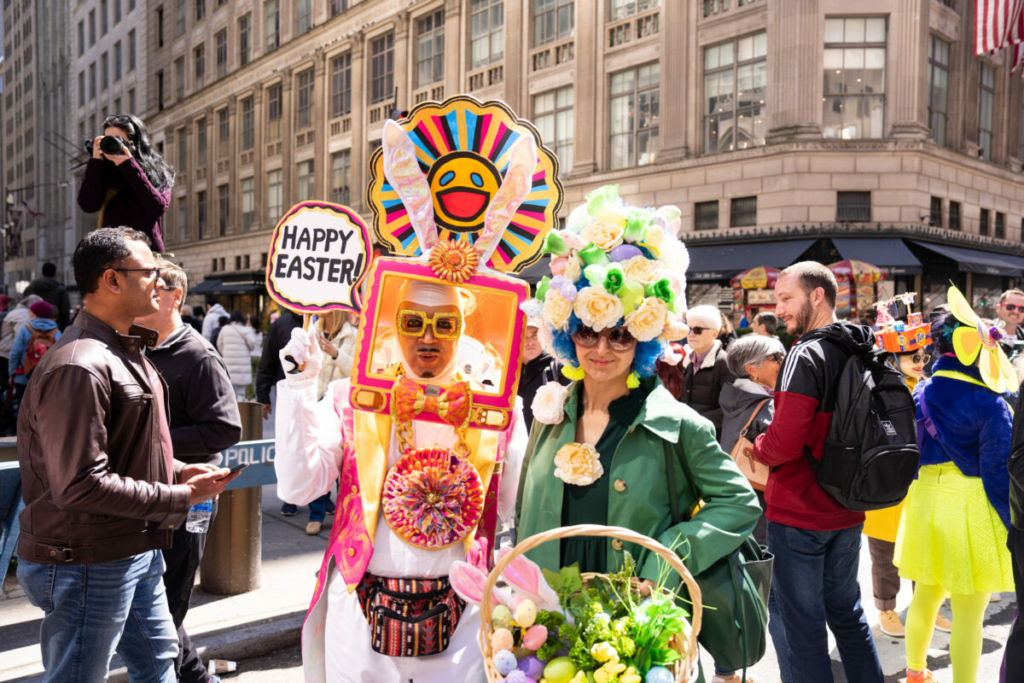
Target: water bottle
(198, 521)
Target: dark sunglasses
(618, 338)
(777, 357)
(697, 330)
(121, 121)
(922, 357)
(1013, 307)
(155, 271)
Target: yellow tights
(964, 642)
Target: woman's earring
(633, 381)
(573, 373)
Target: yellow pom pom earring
(573, 373)
(633, 381)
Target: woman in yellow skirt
(952, 535)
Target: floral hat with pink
(614, 265)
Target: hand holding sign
(318, 258)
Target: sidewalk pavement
(223, 627)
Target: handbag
(742, 454)
(734, 631)
(409, 617)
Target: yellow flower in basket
(976, 342)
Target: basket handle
(620, 533)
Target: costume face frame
(488, 344)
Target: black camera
(109, 144)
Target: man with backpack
(816, 540)
(29, 345)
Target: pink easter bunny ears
(522, 575)
(402, 171)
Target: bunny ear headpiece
(468, 183)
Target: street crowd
(635, 412)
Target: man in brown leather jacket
(102, 491)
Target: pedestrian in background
(102, 491)
(236, 342)
(816, 540)
(765, 324)
(705, 369)
(539, 368)
(204, 421)
(52, 292)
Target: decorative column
(320, 125)
(289, 191)
(454, 57)
(909, 35)
(259, 154)
(676, 36)
(798, 58)
(234, 224)
(587, 69)
(359, 173)
(403, 77)
(516, 60)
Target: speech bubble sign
(319, 255)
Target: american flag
(994, 20)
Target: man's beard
(803, 320)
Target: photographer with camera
(126, 181)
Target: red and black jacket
(805, 394)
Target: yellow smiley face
(463, 184)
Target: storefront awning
(206, 287)
(975, 261)
(890, 254)
(721, 262)
(213, 287)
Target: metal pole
(232, 561)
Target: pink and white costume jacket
(319, 442)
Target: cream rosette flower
(597, 309)
(642, 269)
(606, 236)
(573, 270)
(556, 310)
(549, 403)
(675, 330)
(578, 464)
(647, 321)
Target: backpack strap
(925, 424)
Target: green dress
(589, 504)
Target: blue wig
(644, 363)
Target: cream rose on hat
(648, 321)
(596, 308)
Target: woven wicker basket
(685, 668)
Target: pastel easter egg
(502, 639)
(631, 295)
(505, 662)
(624, 252)
(526, 613)
(558, 265)
(535, 637)
(559, 670)
(501, 617)
(578, 219)
(532, 667)
(659, 674)
(518, 676)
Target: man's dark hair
(198, 311)
(49, 270)
(100, 250)
(223, 320)
(813, 275)
(769, 320)
(237, 317)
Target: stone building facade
(778, 127)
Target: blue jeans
(93, 610)
(815, 582)
(318, 508)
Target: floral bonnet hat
(614, 265)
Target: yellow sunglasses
(412, 323)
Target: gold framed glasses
(413, 323)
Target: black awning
(888, 253)
(975, 261)
(722, 262)
(206, 286)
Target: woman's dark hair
(100, 250)
(237, 317)
(942, 333)
(160, 174)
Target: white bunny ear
(514, 189)
(404, 174)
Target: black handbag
(735, 588)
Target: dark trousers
(1014, 657)
(182, 559)
(885, 577)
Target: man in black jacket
(52, 292)
(204, 421)
(270, 371)
(1014, 652)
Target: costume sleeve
(730, 509)
(994, 446)
(153, 201)
(796, 397)
(308, 442)
(79, 471)
(92, 192)
(512, 462)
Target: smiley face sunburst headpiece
(465, 150)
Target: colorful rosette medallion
(433, 498)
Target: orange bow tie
(453, 405)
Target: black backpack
(871, 454)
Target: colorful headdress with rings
(898, 335)
(977, 343)
(614, 265)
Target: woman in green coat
(599, 448)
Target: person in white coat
(235, 343)
(212, 319)
(317, 442)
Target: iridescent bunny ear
(514, 188)
(403, 173)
